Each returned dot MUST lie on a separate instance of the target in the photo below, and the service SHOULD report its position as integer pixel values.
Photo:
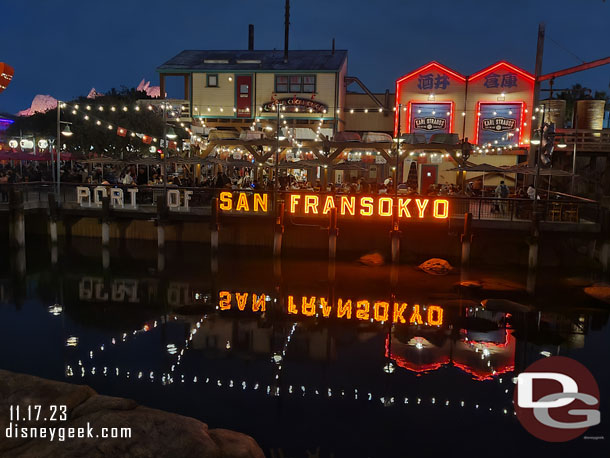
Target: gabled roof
(500, 66)
(429, 66)
(311, 60)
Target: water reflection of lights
(72, 341)
(172, 349)
(55, 309)
(389, 368)
(273, 390)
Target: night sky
(65, 47)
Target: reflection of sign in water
(430, 123)
(121, 290)
(347, 309)
(499, 124)
(297, 104)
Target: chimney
(333, 50)
(286, 31)
(250, 37)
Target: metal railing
(560, 208)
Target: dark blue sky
(119, 42)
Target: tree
(91, 139)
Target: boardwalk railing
(197, 200)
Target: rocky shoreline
(154, 433)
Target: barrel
(555, 111)
(590, 114)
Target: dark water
(438, 385)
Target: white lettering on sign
(117, 196)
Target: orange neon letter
(366, 206)
(226, 200)
(348, 203)
(308, 307)
(380, 311)
(291, 307)
(397, 316)
(260, 201)
(325, 307)
(421, 206)
(312, 202)
(242, 202)
(294, 200)
(385, 210)
(241, 300)
(225, 300)
(258, 303)
(402, 207)
(445, 208)
(344, 309)
(432, 319)
(415, 316)
(362, 310)
(330, 203)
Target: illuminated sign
(430, 118)
(499, 124)
(347, 309)
(92, 197)
(312, 205)
(295, 105)
(429, 123)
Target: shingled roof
(313, 60)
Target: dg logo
(557, 399)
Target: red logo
(557, 399)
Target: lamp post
(167, 134)
(66, 132)
(397, 152)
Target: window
(295, 84)
(281, 83)
(212, 80)
(309, 83)
(243, 90)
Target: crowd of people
(235, 178)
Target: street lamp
(66, 132)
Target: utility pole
(531, 157)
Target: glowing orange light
(328, 204)
(308, 306)
(348, 204)
(366, 204)
(362, 310)
(435, 315)
(291, 307)
(241, 298)
(439, 212)
(294, 200)
(325, 307)
(225, 300)
(258, 303)
(415, 316)
(344, 309)
(226, 201)
(399, 309)
(385, 206)
(421, 206)
(311, 203)
(402, 207)
(260, 202)
(242, 203)
(381, 310)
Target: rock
(436, 266)
(504, 305)
(577, 281)
(371, 259)
(154, 433)
(472, 284)
(599, 291)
